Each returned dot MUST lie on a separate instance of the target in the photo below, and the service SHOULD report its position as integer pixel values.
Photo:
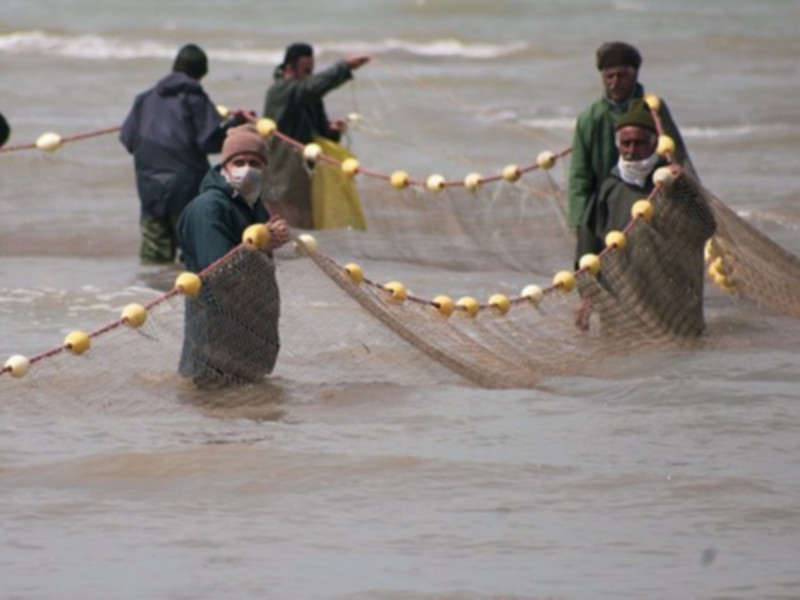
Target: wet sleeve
(580, 182)
(129, 133)
(207, 123)
(316, 86)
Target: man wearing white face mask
(212, 224)
(209, 228)
(630, 180)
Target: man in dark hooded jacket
(294, 102)
(169, 131)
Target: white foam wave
(737, 130)
(555, 123)
(82, 46)
(446, 48)
(94, 47)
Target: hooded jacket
(169, 131)
(594, 149)
(213, 223)
(231, 328)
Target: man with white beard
(630, 180)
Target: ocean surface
(674, 475)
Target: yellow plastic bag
(334, 198)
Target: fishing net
(241, 339)
(336, 327)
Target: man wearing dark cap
(631, 179)
(594, 151)
(169, 131)
(685, 231)
(294, 102)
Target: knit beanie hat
(637, 115)
(191, 60)
(242, 139)
(618, 54)
(295, 51)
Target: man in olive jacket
(594, 151)
(294, 102)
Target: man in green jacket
(594, 151)
(294, 102)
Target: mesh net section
(657, 281)
(518, 226)
(334, 329)
(231, 326)
(750, 265)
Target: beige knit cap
(242, 139)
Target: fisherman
(169, 131)
(231, 328)
(594, 151)
(683, 234)
(631, 179)
(295, 102)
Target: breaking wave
(96, 47)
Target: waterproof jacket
(297, 108)
(594, 149)
(169, 131)
(213, 223)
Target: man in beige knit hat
(231, 336)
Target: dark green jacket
(231, 327)
(594, 150)
(213, 223)
(297, 108)
(610, 210)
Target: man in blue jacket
(231, 327)
(169, 131)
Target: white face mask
(635, 172)
(247, 181)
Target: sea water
(672, 476)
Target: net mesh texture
(334, 328)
